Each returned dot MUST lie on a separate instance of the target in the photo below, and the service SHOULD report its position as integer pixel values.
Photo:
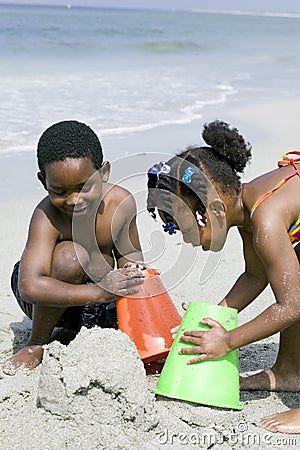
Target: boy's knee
(69, 262)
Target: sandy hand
(208, 344)
(141, 266)
(121, 282)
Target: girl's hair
(225, 156)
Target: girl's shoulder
(264, 185)
(272, 197)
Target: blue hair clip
(170, 228)
(187, 176)
(162, 167)
(154, 170)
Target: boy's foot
(28, 358)
(269, 381)
(285, 422)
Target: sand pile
(90, 394)
(94, 394)
(98, 379)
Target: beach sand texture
(94, 393)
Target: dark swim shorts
(103, 315)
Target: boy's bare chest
(93, 235)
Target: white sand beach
(94, 393)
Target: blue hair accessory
(170, 228)
(187, 176)
(162, 167)
(154, 170)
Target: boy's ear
(105, 171)
(42, 179)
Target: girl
(199, 192)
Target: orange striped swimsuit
(294, 230)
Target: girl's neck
(235, 211)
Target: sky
(225, 5)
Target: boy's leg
(285, 374)
(65, 267)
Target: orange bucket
(147, 317)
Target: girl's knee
(69, 262)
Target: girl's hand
(211, 344)
(120, 283)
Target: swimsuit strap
(291, 161)
(285, 162)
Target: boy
(77, 233)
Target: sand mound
(90, 394)
(98, 375)
(94, 394)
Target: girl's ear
(42, 179)
(217, 208)
(105, 171)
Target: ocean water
(124, 71)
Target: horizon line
(68, 5)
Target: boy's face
(74, 185)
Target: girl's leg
(288, 421)
(285, 374)
(65, 267)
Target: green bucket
(214, 383)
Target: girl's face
(74, 186)
(212, 236)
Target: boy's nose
(74, 199)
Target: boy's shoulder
(118, 199)
(44, 205)
(45, 212)
(117, 194)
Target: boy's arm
(35, 282)
(127, 247)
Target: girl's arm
(279, 258)
(252, 282)
(274, 249)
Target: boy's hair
(226, 155)
(68, 139)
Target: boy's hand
(141, 266)
(120, 282)
(211, 344)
